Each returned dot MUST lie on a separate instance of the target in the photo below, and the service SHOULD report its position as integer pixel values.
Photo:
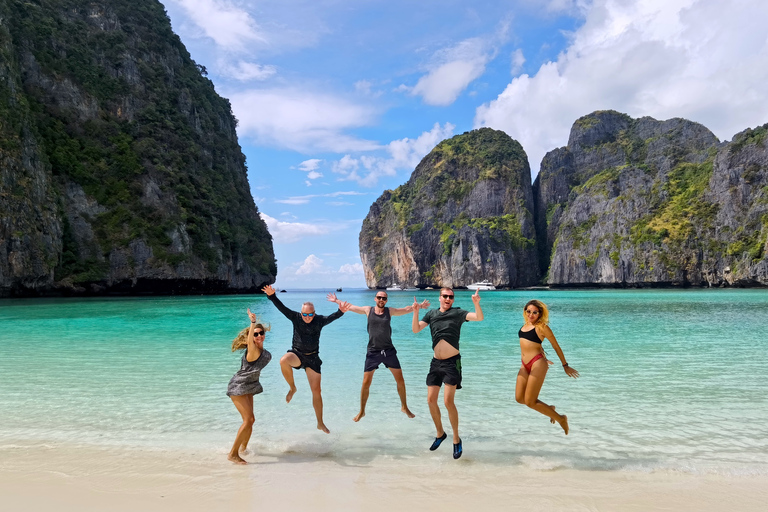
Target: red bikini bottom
(529, 364)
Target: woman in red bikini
(535, 365)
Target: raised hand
(252, 316)
(344, 306)
(268, 290)
(332, 298)
(476, 297)
(424, 304)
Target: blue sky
(338, 101)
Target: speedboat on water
(482, 285)
(395, 287)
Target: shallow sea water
(670, 380)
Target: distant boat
(482, 285)
(395, 287)
(338, 289)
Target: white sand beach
(74, 478)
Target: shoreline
(85, 478)
(6, 295)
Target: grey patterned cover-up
(246, 380)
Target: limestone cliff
(464, 215)
(641, 202)
(120, 170)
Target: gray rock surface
(465, 215)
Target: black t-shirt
(306, 336)
(445, 325)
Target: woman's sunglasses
(258, 333)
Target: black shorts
(446, 371)
(388, 357)
(311, 361)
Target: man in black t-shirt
(380, 347)
(305, 347)
(445, 325)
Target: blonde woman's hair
(241, 342)
(543, 312)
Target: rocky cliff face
(628, 202)
(643, 202)
(119, 164)
(465, 215)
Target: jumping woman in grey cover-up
(245, 382)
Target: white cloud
(246, 71)
(310, 165)
(312, 265)
(443, 85)
(300, 120)
(698, 59)
(451, 71)
(227, 24)
(339, 203)
(352, 269)
(288, 232)
(305, 199)
(518, 59)
(403, 154)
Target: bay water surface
(670, 380)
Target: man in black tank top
(380, 347)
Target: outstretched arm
(417, 325)
(289, 314)
(571, 372)
(477, 316)
(360, 310)
(404, 311)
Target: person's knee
(530, 402)
(248, 421)
(449, 403)
(285, 359)
(520, 399)
(432, 400)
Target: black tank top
(379, 331)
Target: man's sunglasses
(447, 296)
(307, 314)
(381, 298)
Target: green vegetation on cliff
(139, 128)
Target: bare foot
(359, 416)
(551, 420)
(564, 423)
(236, 459)
(321, 426)
(290, 394)
(407, 412)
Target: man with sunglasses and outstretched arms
(305, 347)
(380, 347)
(445, 325)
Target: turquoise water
(669, 379)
